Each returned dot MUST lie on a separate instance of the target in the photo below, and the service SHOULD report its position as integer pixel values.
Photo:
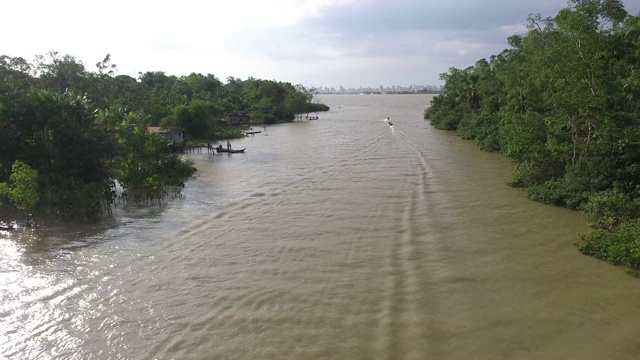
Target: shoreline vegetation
(74, 142)
(563, 104)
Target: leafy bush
(446, 122)
(468, 127)
(530, 173)
(547, 193)
(227, 133)
(619, 248)
(444, 114)
(23, 189)
(565, 192)
(608, 209)
(572, 190)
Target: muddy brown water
(338, 238)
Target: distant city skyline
(382, 89)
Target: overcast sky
(311, 42)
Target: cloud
(355, 42)
(386, 29)
(351, 35)
(375, 37)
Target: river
(338, 238)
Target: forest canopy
(70, 136)
(563, 103)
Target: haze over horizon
(328, 43)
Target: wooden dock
(191, 149)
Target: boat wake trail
(410, 317)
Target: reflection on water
(338, 238)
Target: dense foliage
(563, 103)
(70, 137)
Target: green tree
(199, 119)
(143, 163)
(158, 96)
(22, 190)
(60, 72)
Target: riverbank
(565, 117)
